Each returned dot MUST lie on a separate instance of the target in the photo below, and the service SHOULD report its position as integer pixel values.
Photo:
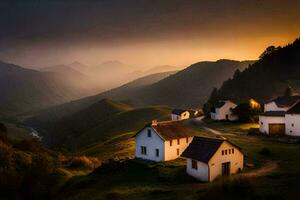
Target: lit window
(177, 152)
(194, 164)
(178, 141)
(170, 142)
(149, 133)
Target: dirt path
(203, 125)
(269, 166)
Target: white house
(179, 114)
(281, 116)
(162, 141)
(209, 158)
(222, 110)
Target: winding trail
(203, 125)
(268, 167)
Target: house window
(194, 164)
(222, 152)
(177, 152)
(261, 123)
(232, 151)
(143, 150)
(292, 125)
(187, 140)
(226, 152)
(229, 151)
(157, 152)
(149, 133)
(178, 141)
(170, 142)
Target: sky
(143, 33)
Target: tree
(269, 50)
(289, 91)
(3, 127)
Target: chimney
(154, 122)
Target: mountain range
(24, 90)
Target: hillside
(190, 87)
(96, 123)
(130, 89)
(266, 78)
(24, 90)
(28, 170)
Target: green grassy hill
(131, 179)
(97, 123)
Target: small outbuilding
(222, 110)
(180, 114)
(162, 141)
(208, 158)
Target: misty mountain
(161, 68)
(65, 70)
(266, 78)
(24, 90)
(189, 87)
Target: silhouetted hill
(190, 87)
(266, 78)
(25, 90)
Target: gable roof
(219, 104)
(273, 113)
(286, 101)
(169, 130)
(295, 109)
(203, 149)
(178, 111)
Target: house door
(276, 129)
(225, 169)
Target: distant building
(209, 158)
(222, 110)
(281, 116)
(179, 114)
(162, 141)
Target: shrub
(265, 151)
(84, 162)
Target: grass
(143, 180)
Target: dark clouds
(113, 23)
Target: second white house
(222, 110)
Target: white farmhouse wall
(220, 113)
(273, 107)
(151, 143)
(215, 164)
(171, 151)
(201, 173)
(264, 122)
(292, 124)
